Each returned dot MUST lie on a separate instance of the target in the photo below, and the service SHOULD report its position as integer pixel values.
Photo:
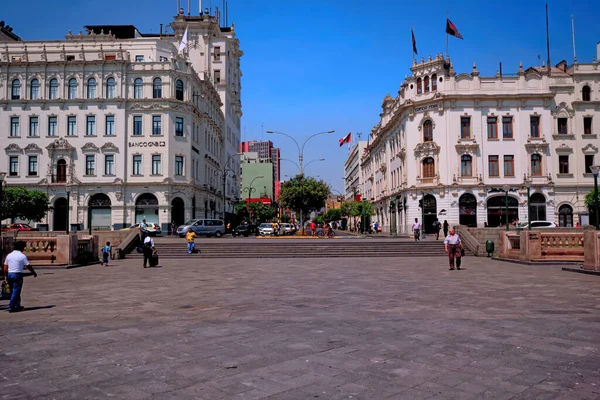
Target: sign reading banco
(147, 144)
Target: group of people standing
(452, 243)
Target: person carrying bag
(453, 246)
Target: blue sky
(311, 66)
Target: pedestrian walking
(105, 254)
(173, 228)
(453, 246)
(436, 228)
(148, 250)
(416, 228)
(190, 236)
(446, 226)
(143, 230)
(14, 264)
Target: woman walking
(453, 246)
(446, 226)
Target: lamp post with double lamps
(506, 189)
(249, 189)
(225, 171)
(595, 170)
(528, 186)
(301, 149)
(68, 188)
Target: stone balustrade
(59, 250)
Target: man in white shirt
(143, 230)
(148, 249)
(416, 228)
(453, 246)
(14, 264)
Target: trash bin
(489, 247)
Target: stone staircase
(225, 247)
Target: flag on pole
(414, 41)
(452, 30)
(184, 41)
(346, 139)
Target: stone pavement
(306, 329)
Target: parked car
(203, 227)
(17, 227)
(152, 228)
(538, 224)
(266, 229)
(244, 230)
(287, 229)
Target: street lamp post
(225, 171)
(301, 149)
(250, 188)
(506, 189)
(392, 217)
(68, 190)
(595, 170)
(528, 186)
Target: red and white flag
(346, 139)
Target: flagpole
(447, 16)
(573, 34)
(547, 40)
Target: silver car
(203, 227)
(266, 229)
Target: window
(563, 164)
(179, 90)
(52, 126)
(565, 216)
(426, 84)
(589, 161)
(428, 131)
(34, 90)
(53, 89)
(562, 126)
(157, 88)
(71, 126)
(139, 58)
(110, 57)
(492, 128)
(217, 53)
(433, 82)
(509, 165)
(507, 127)
(110, 125)
(137, 125)
(110, 88)
(90, 129)
(72, 88)
(587, 125)
(90, 165)
(138, 88)
(33, 166)
(13, 169)
(534, 126)
(493, 166)
(91, 88)
(178, 165)
(428, 168)
(163, 59)
(156, 125)
(137, 164)
(14, 126)
(217, 76)
(465, 127)
(109, 164)
(466, 165)
(34, 126)
(15, 90)
(178, 126)
(419, 87)
(156, 170)
(586, 93)
(536, 165)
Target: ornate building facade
(117, 127)
(463, 148)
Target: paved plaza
(331, 328)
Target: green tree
(590, 199)
(304, 194)
(254, 212)
(23, 204)
(333, 214)
(359, 208)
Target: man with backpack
(148, 250)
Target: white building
(455, 142)
(352, 170)
(117, 126)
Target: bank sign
(147, 144)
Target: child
(105, 254)
(190, 235)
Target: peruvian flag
(346, 139)
(452, 30)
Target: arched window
(53, 89)
(537, 204)
(15, 90)
(428, 168)
(34, 90)
(536, 165)
(586, 93)
(179, 90)
(91, 88)
(110, 88)
(426, 82)
(72, 88)
(419, 87)
(428, 131)
(565, 216)
(433, 82)
(138, 88)
(157, 88)
(466, 162)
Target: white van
(203, 227)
